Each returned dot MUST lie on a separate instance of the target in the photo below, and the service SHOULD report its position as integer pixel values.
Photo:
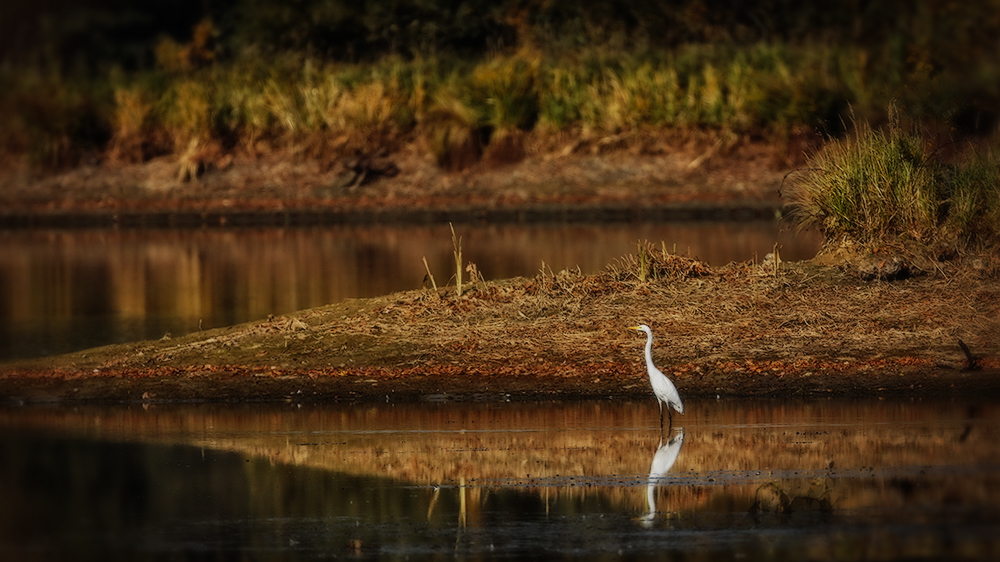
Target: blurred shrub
(480, 74)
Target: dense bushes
(471, 74)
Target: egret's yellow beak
(633, 328)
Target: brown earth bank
(633, 176)
(795, 329)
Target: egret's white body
(665, 391)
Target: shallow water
(63, 290)
(750, 479)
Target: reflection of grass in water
(815, 494)
(228, 502)
(488, 442)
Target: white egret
(666, 393)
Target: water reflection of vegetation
(102, 495)
(417, 474)
(545, 447)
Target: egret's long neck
(649, 350)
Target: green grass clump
(452, 129)
(973, 207)
(507, 90)
(879, 187)
(484, 111)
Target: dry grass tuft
(652, 263)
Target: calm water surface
(756, 480)
(62, 290)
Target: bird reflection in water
(663, 460)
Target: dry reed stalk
(457, 244)
(429, 274)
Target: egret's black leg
(661, 419)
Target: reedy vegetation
(756, 89)
(474, 74)
(890, 186)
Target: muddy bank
(800, 329)
(636, 177)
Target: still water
(742, 479)
(62, 290)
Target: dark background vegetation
(93, 33)
(937, 58)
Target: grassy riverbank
(475, 80)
